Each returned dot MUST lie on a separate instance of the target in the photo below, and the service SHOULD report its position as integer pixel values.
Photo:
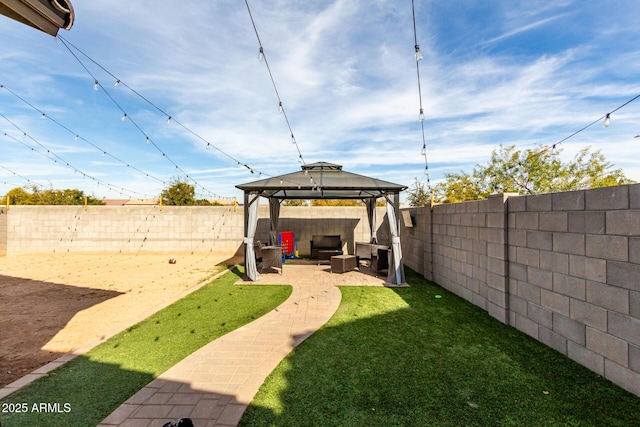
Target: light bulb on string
(424, 150)
(75, 138)
(43, 116)
(280, 109)
(421, 116)
(293, 139)
(95, 85)
(607, 120)
(300, 158)
(124, 117)
(169, 120)
(116, 83)
(147, 140)
(260, 54)
(418, 54)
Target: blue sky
(494, 72)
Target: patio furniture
(323, 243)
(368, 251)
(325, 255)
(343, 263)
(381, 261)
(271, 258)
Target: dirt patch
(55, 304)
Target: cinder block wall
(563, 268)
(3, 231)
(129, 229)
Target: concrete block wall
(416, 241)
(3, 231)
(123, 229)
(577, 286)
(172, 229)
(469, 252)
(563, 268)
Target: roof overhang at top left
(45, 15)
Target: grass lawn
(95, 384)
(402, 357)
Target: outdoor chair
(381, 262)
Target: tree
(418, 195)
(178, 193)
(37, 196)
(532, 171)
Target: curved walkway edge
(214, 385)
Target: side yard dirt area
(55, 304)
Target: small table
(343, 263)
(325, 255)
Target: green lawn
(95, 384)
(402, 357)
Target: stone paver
(214, 385)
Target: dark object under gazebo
(322, 180)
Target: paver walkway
(214, 385)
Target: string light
(67, 44)
(57, 159)
(124, 117)
(418, 57)
(116, 84)
(607, 120)
(418, 54)
(262, 57)
(95, 85)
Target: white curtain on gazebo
(396, 268)
(251, 269)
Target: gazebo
(322, 180)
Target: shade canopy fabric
(322, 180)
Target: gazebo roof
(321, 180)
